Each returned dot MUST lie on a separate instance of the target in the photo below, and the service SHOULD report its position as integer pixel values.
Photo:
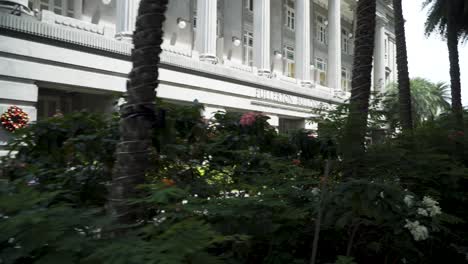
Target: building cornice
(78, 36)
(170, 58)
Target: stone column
(303, 43)
(207, 15)
(262, 53)
(334, 44)
(78, 8)
(379, 54)
(233, 31)
(127, 11)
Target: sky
(428, 56)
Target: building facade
(279, 57)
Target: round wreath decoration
(14, 118)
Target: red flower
(168, 182)
(296, 162)
(248, 118)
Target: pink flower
(296, 162)
(248, 119)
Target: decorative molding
(50, 17)
(176, 50)
(64, 33)
(228, 72)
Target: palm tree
(402, 64)
(429, 100)
(356, 125)
(450, 19)
(133, 153)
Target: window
(386, 50)
(48, 105)
(345, 79)
(345, 42)
(321, 66)
(289, 126)
(321, 31)
(290, 18)
(59, 7)
(194, 20)
(290, 69)
(218, 22)
(248, 48)
(249, 5)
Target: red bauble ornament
(14, 118)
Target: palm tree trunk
(452, 43)
(403, 74)
(133, 154)
(356, 125)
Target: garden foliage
(231, 190)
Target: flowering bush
(231, 190)
(418, 231)
(249, 118)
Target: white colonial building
(280, 57)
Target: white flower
(158, 220)
(235, 193)
(432, 206)
(429, 202)
(259, 193)
(408, 200)
(434, 210)
(121, 101)
(382, 195)
(163, 212)
(422, 212)
(246, 195)
(80, 231)
(184, 202)
(32, 182)
(315, 191)
(195, 195)
(418, 231)
(208, 198)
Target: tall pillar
(207, 15)
(262, 53)
(303, 43)
(127, 11)
(233, 33)
(379, 55)
(334, 44)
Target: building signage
(286, 98)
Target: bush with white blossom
(427, 208)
